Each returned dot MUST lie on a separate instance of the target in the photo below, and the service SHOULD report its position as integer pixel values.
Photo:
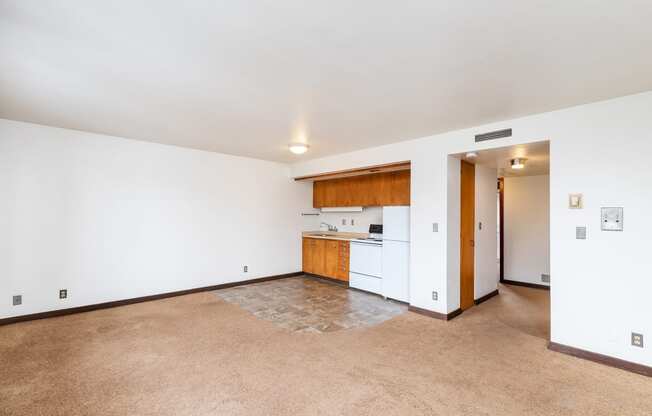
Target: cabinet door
(399, 193)
(318, 194)
(318, 256)
(343, 261)
(306, 254)
(331, 258)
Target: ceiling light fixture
(471, 155)
(298, 148)
(518, 163)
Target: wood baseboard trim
(486, 297)
(601, 359)
(123, 302)
(530, 285)
(328, 279)
(436, 315)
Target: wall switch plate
(480, 225)
(612, 219)
(637, 340)
(245, 269)
(18, 300)
(580, 233)
(63, 293)
(575, 201)
(435, 295)
(545, 278)
(435, 227)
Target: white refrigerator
(396, 252)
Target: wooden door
(467, 235)
(343, 261)
(331, 258)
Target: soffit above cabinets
(368, 170)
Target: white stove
(368, 240)
(366, 264)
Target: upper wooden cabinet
(380, 189)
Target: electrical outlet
(63, 293)
(435, 227)
(435, 295)
(18, 300)
(245, 269)
(637, 340)
(545, 278)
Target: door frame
(501, 220)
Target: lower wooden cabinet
(343, 261)
(328, 258)
(306, 254)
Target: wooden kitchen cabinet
(380, 189)
(318, 256)
(306, 255)
(331, 255)
(328, 258)
(343, 261)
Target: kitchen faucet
(330, 227)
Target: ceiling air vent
(499, 134)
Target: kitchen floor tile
(307, 304)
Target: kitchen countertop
(333, 235)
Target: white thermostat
(612, 219)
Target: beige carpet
(198, 355)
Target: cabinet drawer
(368, 283)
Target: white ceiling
(537, 157)
(247, 77)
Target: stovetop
(369, 240)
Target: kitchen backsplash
(361, 220)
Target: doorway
(504, 232)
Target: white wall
(602, 284)
(487, 272)
(369, 215)
(109, 218)
(527, 228)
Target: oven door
(366, 258)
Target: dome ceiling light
(518, 163)
(298, 148)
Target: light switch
(612, 219)
(575, 201)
